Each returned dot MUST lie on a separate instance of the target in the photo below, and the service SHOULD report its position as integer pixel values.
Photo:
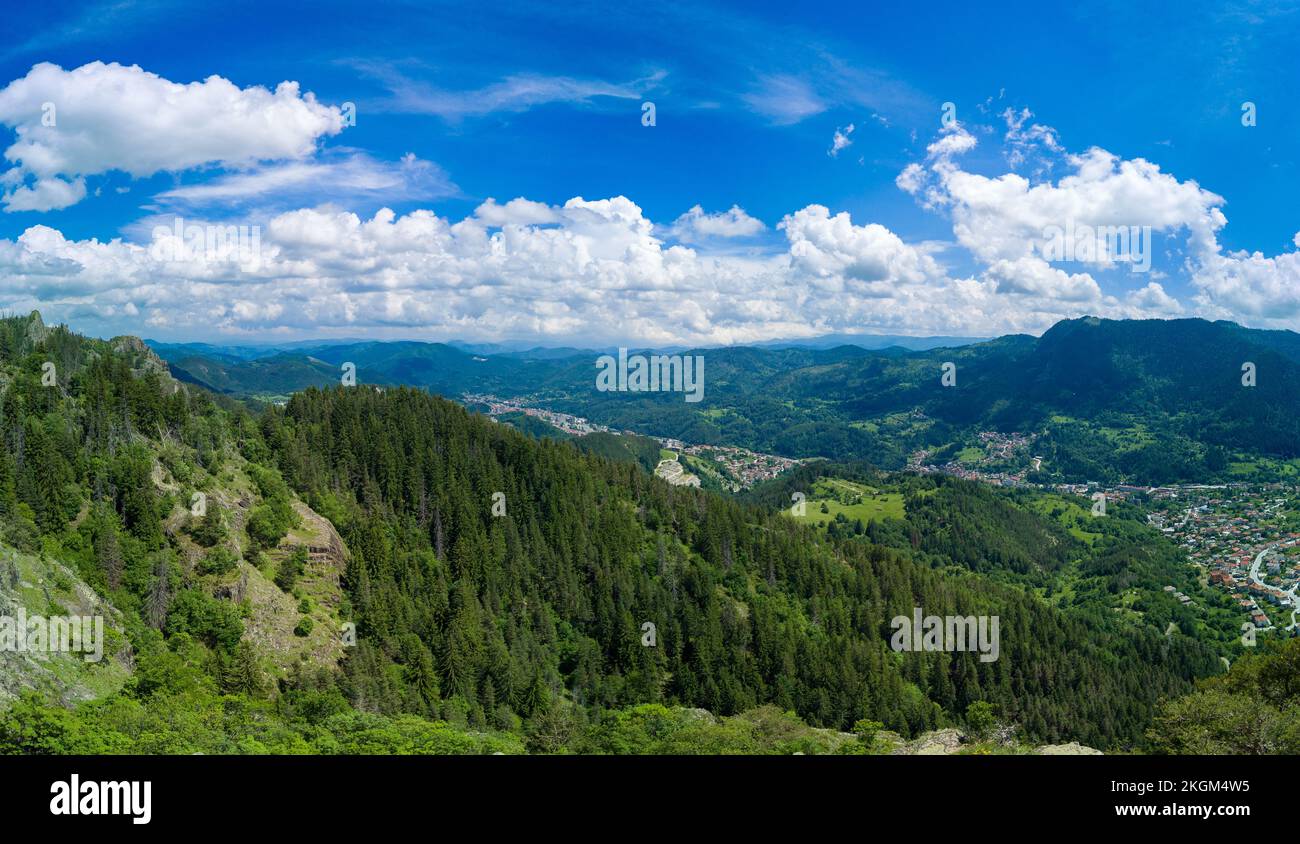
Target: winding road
(1290, 593)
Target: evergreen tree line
(502, 617)
(506, 612)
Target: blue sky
(456, 104)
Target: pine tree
(244, 675)
(108, 552)
(160, 595)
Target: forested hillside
(500, 586)
(1142, 401)
(748, 607)
(1114, 569)
(1254, 709)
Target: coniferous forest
(458, 586)
(639, 389)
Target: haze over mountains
(533, 349)
(1149, 401)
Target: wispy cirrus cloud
(784, 99)
(343, 175)
(91, 22)
(515, 93)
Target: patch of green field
(832, 496)
(701, 467)
(1264, 466)
(1069, 513)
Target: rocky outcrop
(274, 614)
(326, 555)
(938, 743)
(952, 741)
(34, 587)
(36, 331)
(1071, 749)
(143, 359)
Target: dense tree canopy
(515, 587)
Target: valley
(477, 574)
(648, 379)
(728, 467)
(1224, 526)
(1242, 537)
(1151, 403)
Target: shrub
(266, 527)
(215, 622)
(980, 719)
(866, 731)
(290, 569)
(210, 529)
(219, 560)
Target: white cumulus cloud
(696, 225)
(102, 117)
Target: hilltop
(123, 494)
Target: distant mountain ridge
(542, 352)
(872, 341)
(1176, 387)
(495, 580)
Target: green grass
(702, 468)
(1069, 513)
(1246, 469)
(856, 501)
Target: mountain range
(1151, 401)
(379, 570)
